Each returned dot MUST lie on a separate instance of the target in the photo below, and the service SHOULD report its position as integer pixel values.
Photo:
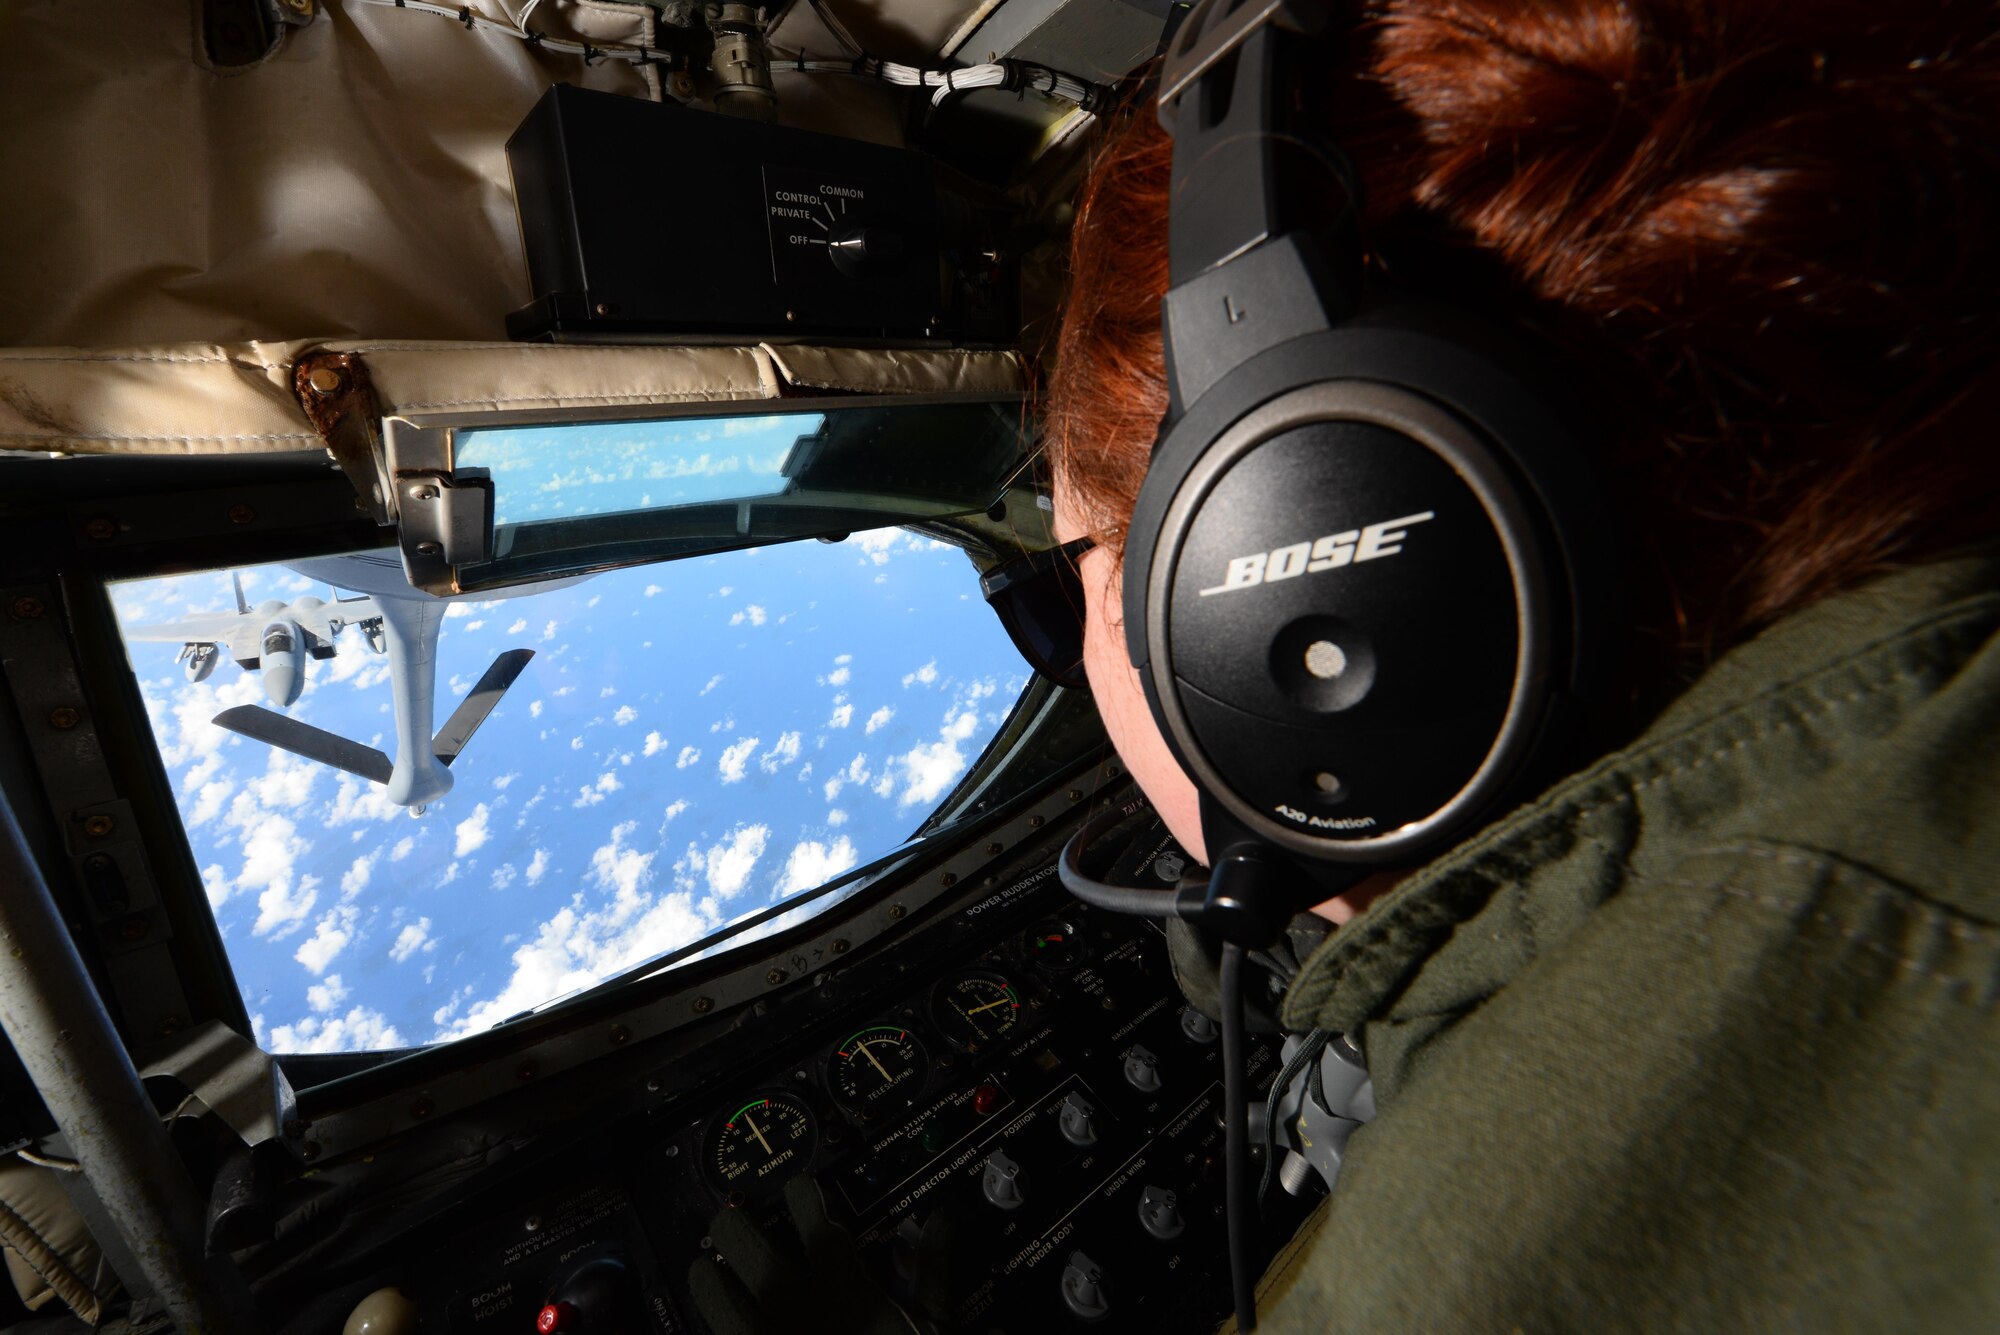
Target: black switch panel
(644, 219)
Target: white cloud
(360, 1030)
(713, 682)
(607, 692)
(836, 817)
(812, 863)
(624, 715)
(725, 591)
(582, 943)
(781, 754)
(453, 611)
(357, 800)
(503, 875)
(402, 848)
(548, 632)
(654, 590)
(355, 880)
(616, 867)
(472, 832)
(323, 996)
(330, 936)
(209, 801)
(576, 743)
(655, 743)
(475, 625)
(414, 937)
(736, 757)
(537, 865)
(534, 709)
(520, 624)
(843, 714)
(689, 756)
(926, 674)
(929, 769)
(216, 882)
(505, 779)
(875, 544)
(752, 613)
(592, 793)
(879, 719)
(843, 659)
(282, 906)
(728, 864)
(837, 677)
(675, 808)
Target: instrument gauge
(878, 1068)
(975, 1009)
(1055, 945)
(754, 1149)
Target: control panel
(642, 218)
(1026, 1136)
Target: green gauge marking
(761, 1144)
(975, 1009)
(877, 1067)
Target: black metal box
(643, 218)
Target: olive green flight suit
(1705, 1038)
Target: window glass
(680, 746)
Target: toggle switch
(1003, 1182)
(1083, 1288)
(1160, 1213)
(1078, 1121)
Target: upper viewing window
(660, 750)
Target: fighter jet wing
(326, 621)
(202, 628)
(303, 739)
(478, 703)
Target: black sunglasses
(1039, 599)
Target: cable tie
(590, 55)
(465, 16)
(535, 39)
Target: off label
(806, 213)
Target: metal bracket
(335, 391)
(234, 1078)
(446, 516)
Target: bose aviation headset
(1366, 578)
(1360, 583)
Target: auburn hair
(1770, 227)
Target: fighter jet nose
(283, 683)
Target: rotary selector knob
(859, 252)
(1083, 1288)
(1078, 1121)
(1197, 1026)
(1160, 1213)
(1142, 1070)
(1003, 1182)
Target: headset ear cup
(1356, 618)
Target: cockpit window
(612, 768)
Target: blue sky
(692, 742)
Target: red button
(555, 1317)
(986, 1098)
